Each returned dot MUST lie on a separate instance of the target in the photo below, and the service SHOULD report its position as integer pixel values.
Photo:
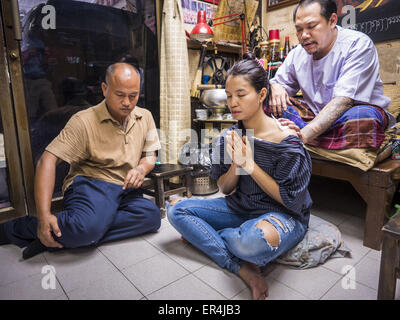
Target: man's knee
(360, 112)
(150, 215)
(77, 232)
(154, 217)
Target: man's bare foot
(251, 275)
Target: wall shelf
(214, 121)
(221, 47)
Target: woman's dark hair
(328, 7)
(250, 68)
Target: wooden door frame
(14, 171)
(17, 94)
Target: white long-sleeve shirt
(350, 69)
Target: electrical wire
(265, 31)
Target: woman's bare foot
(184, 240)
(251, 275)
(175, 201)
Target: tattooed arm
(328, 115)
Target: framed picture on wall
(380, 20)
(276, 4)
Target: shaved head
(120, 69)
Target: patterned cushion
(322, 240)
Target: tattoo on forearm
(328, 115)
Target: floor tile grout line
(191, 273)
(146, 296)
(247, 288)
(365, 285)
(186, 275)
(324, 217)
(33, 275)
(357, 281)
(303, 294)
(163, 253)
(58, 280)
(182, 264)
(336, 282)
(226, 298)
(20, 279)
(341, 280)
(280, 282)
(297, 291)
(341, 274)
(160, 251)
(136, 263)
(120, 271)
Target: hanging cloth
(175, 109)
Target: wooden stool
(390, 259)
(163, 188)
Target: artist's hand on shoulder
(290, 128)
(278, 99)
(134, 179)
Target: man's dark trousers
(95, 212)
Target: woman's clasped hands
(239, 149)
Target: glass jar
(264, 53)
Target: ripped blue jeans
(230, 239)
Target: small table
(163, 188)
(390, 259)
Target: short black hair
(328, 7)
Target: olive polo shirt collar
(104, 114)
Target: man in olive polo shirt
(110, 148)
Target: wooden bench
(375, 186)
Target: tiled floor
(161, 266)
